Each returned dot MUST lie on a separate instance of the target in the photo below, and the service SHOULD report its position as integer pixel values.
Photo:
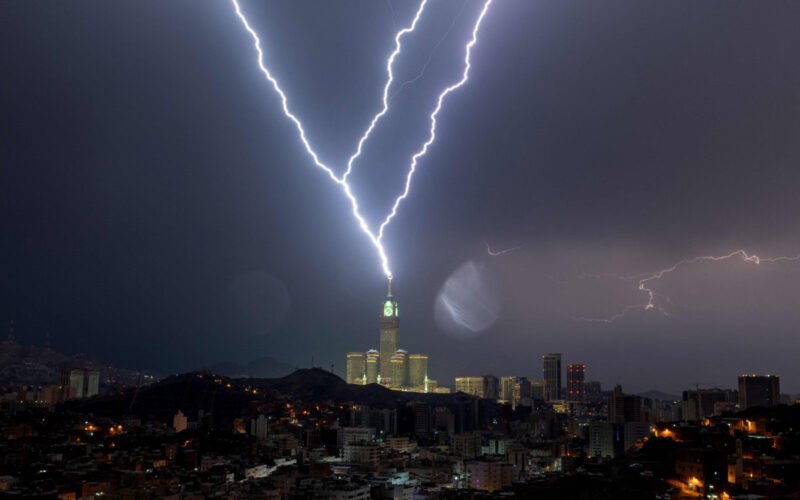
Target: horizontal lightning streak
(651, 294)
(497, 253)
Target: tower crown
(390, 304)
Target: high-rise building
(389, 327)
(389, 365)
(491, 387)
(594, 391)
(417, 370)
(91, 383)
(72, 383)
(551, 368)
(624, 407)
(506, 390)
(473, 386)
(759, 390)
(372, 364)
(356, 367)
(606, 439)
(79, 383)
(485, 387)
(423, 418)
(259, 427)
(399, 364)
(576, 380)
(515, 391)
(700, 403)
(537, 390)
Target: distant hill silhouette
(191, 392)
(41, 365)
(316, 384)
(265, 367)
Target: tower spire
(389, 287)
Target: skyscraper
(515, 391)
(473, 386)
(576, 379)
(356, 367)
(417, 370)
(399, 364)
(389, 326)
(537, 389)
(551, 368)
(759, 390)
(491, 387)
(507, 390)
(372, 362)
(623, 408)
(390, 366)
(79, 382)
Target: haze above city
(158, 210)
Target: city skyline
(160, 212)
(214, 212)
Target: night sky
(157, 209)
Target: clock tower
(389, 326)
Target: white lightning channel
(645, 286)
(390, 79)
(432, 134)
(342, 181)
(497, 253)
(310, 150)
(432, 53)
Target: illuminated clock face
(388, 309)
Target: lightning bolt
(385, 109)
(644, 283)
(433, 116)
(497, 253)
(421, 73)
(375, 239)
(341, 181)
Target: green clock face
(388, 309)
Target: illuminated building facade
(356, 367)
(417, 370)
(372, 363)
(485, 387)
(399, 365)
(79, 383)
(515, 391)
(576, 382)
(389, 330)
(470, 385)
(389, 365)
